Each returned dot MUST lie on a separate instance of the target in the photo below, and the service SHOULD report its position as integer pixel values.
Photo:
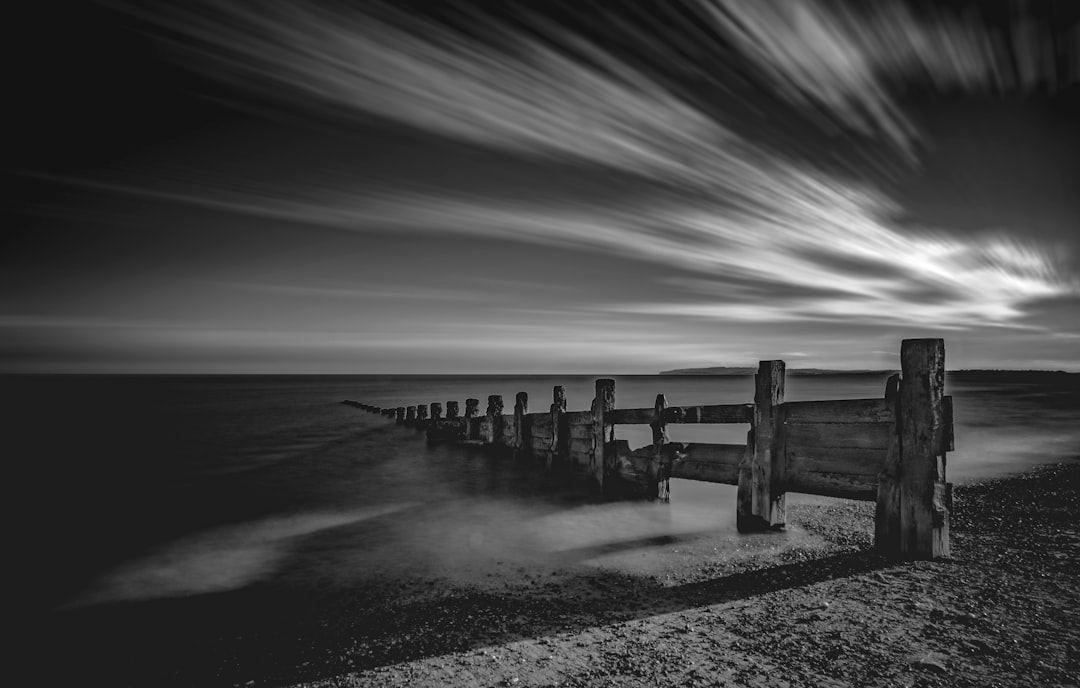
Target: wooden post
(491, 425)
(659, 470)
(601, 435)
(436, 412)
(887, 512)
(452, 410)
(559, 431)
(521, 431)
(400, 414)
(421, 416)
(410, 415)
(472, 425)
(924, 516)
(759, 506)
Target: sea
(128, 489)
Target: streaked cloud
(740, 233)
(854, 60)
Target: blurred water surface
(142, 487)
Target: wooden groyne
(890, 450)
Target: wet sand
(816, 608)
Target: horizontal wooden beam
(638, 416)
(846, 460)
(579, 417)
(842, 435)
(716, 413)
(540, 420)
(714, 463)
(846, 485)
(840, 411)
(580, 449)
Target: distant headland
(736, 370)
(979, 373)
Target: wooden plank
(946, 441)
(580, 449)
(716, 413)
(578, 417)
(581, 432)
(709, 452)
(705, 471)
(540, 421)
(544, 434)
(845, 435)
(924, 522)
(633, 467)
(659, 470)
(846, 485)
(848, 460)
(638, 416)
(539, 444)
(472, 408)
(760, 507)
(839, 411)
(559, 429)
(887, 509)
(715, 463)
(521, 425)
(604, 401)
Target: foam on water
(175, 486)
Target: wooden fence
(890, 450)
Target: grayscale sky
(474, 187)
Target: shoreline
(818, 609)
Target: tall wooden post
(410, 415)
(421, 415)
(659, 470)
(521, 431)
(559, 431)
(923, 503)
(887, 512)
(472, 408)
(600, 461)
(436, 412)
(491, 424)
(400, 414)
(760, 506)
(472, 424)
(452, 409)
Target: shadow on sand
(270, 634)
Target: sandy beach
(1003, 611)
(819, 609)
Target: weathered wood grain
(658, 479)
(846, 485)
(716, 413)
(604, 401)
(520, 422)
(759, 508)
(850, 460)
(579, 431)
(580, 452)
(887, 510)
(540, 421)
(715, 463)
(841, 435)
(839, 411)
(924, 523)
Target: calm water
(139, 488)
